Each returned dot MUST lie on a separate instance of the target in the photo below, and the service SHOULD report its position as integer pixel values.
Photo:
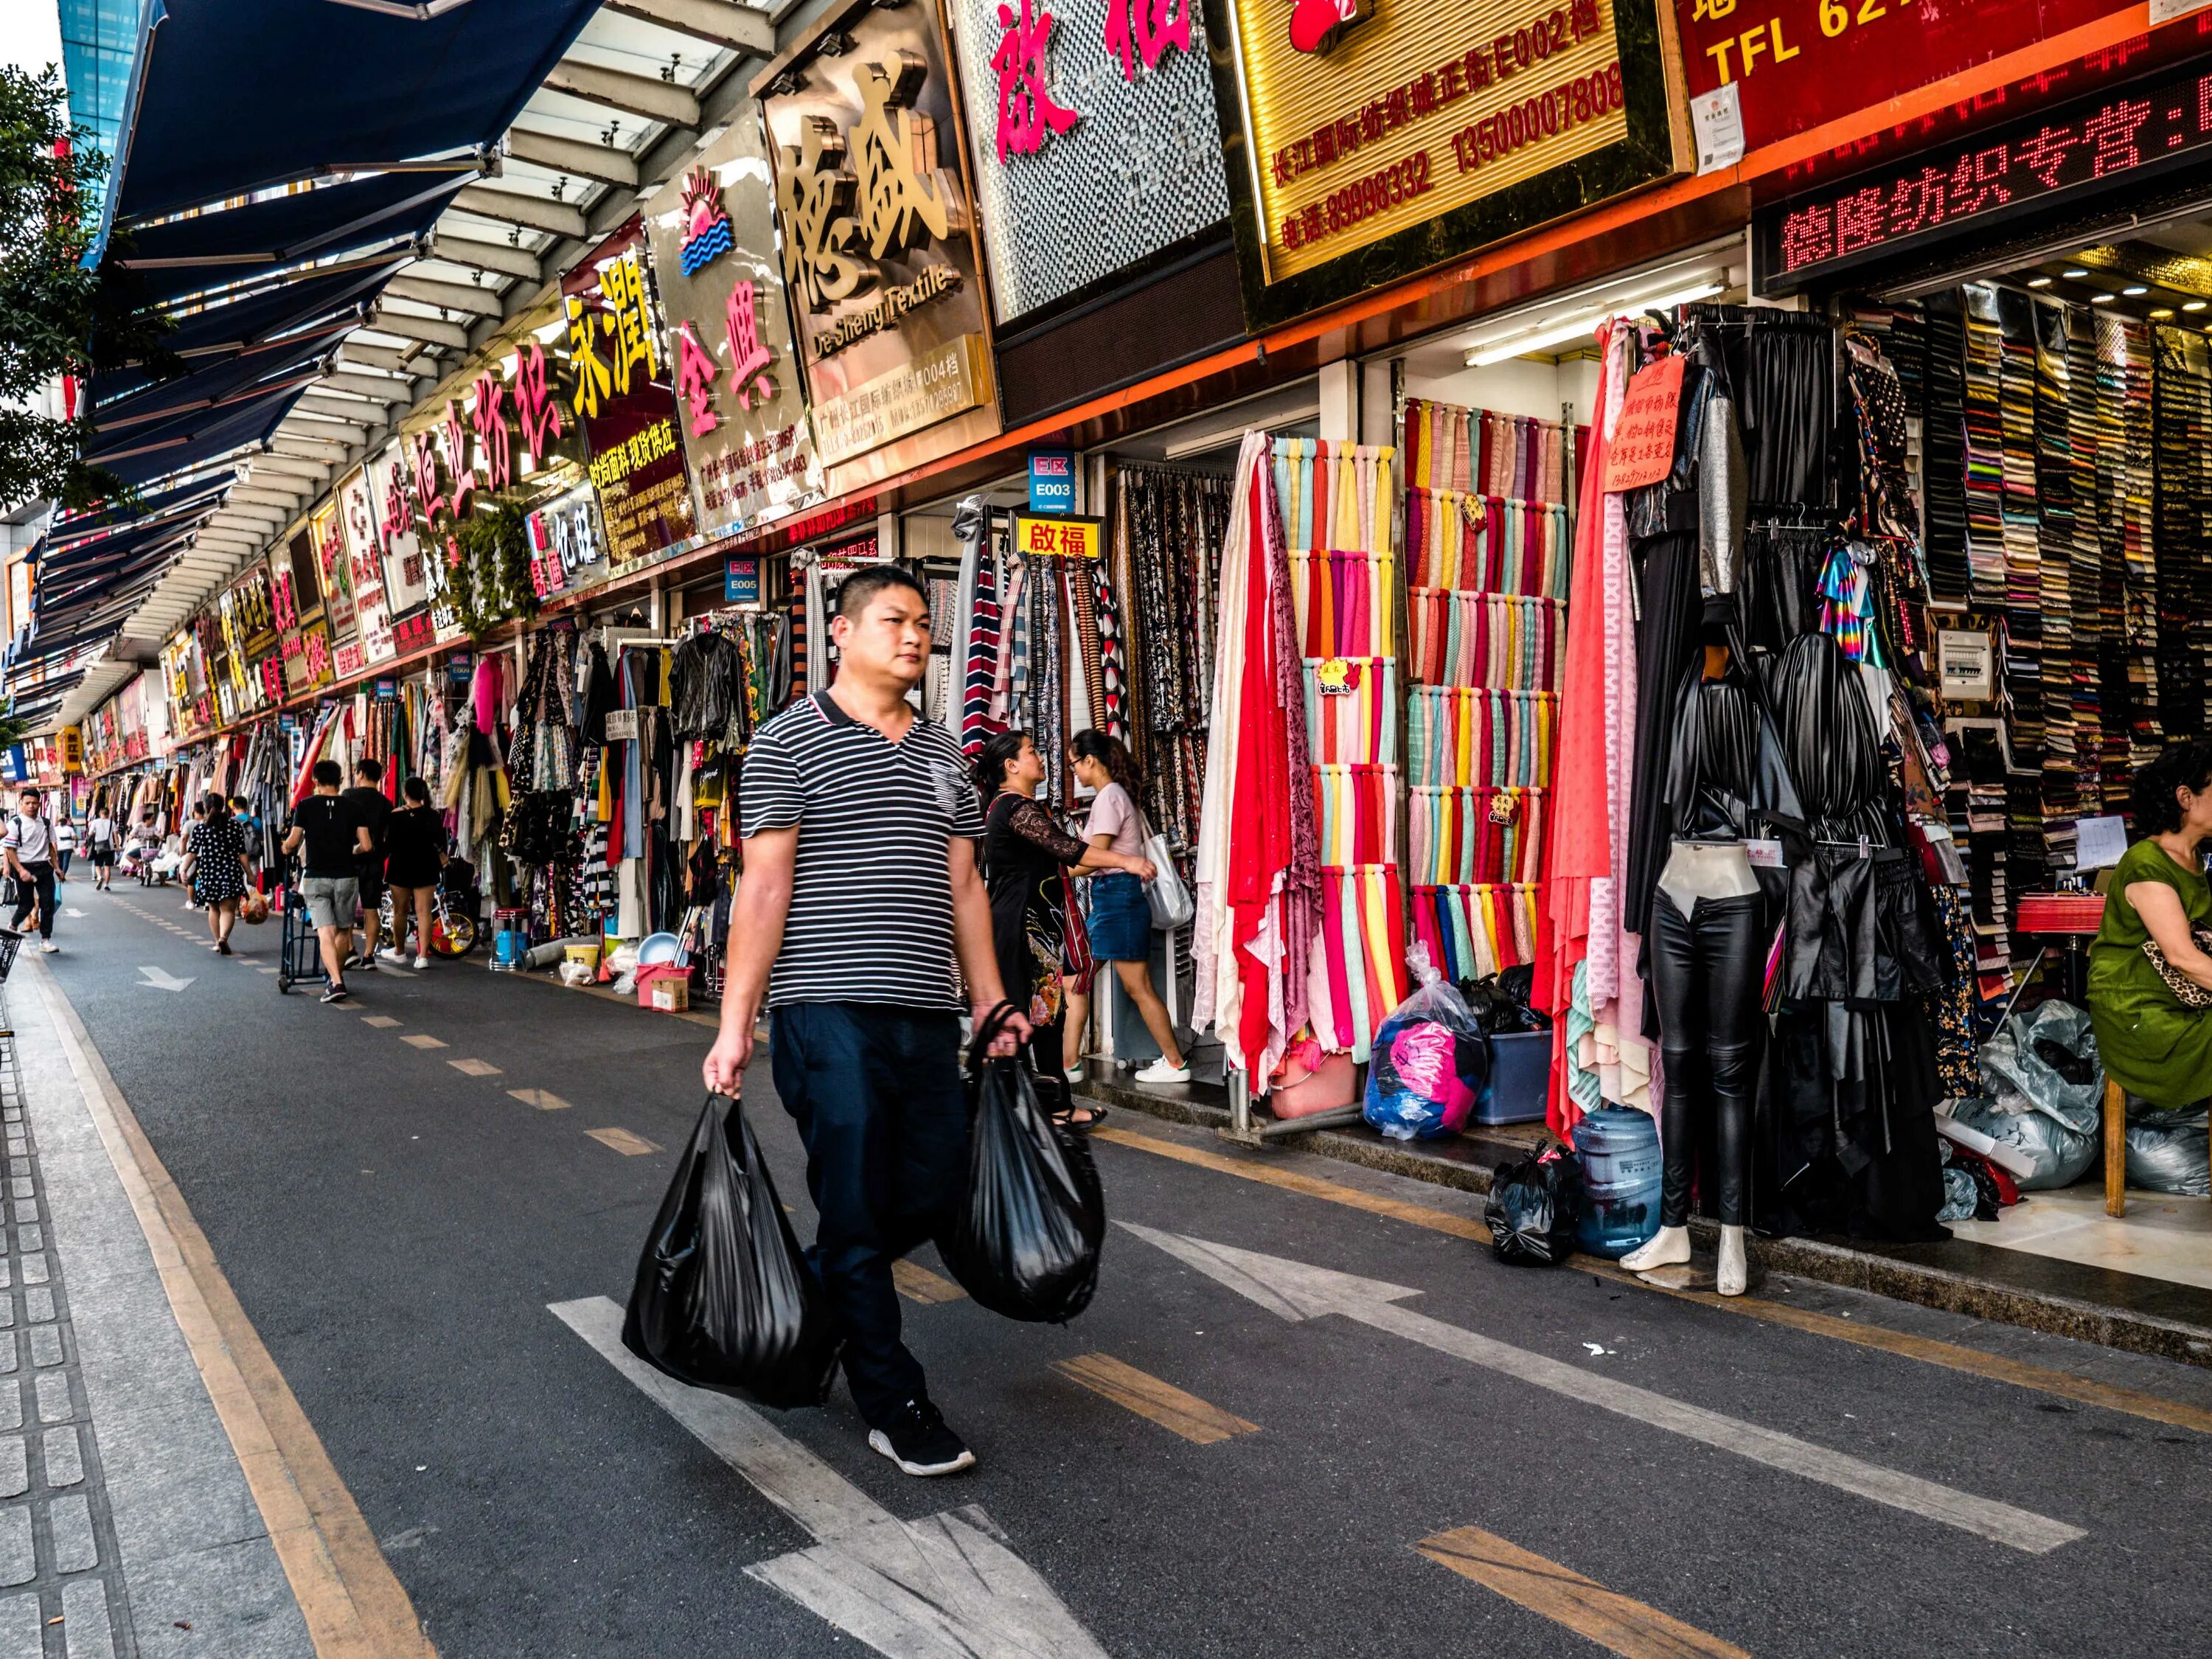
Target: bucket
(586, 955)
(1618, 1149)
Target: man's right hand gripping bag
(724, 1300)
(1025, 1242)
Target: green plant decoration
(492, 581)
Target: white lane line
(1296, 1289)
(947, 1587)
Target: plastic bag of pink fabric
(1429, 1062)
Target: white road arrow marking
(1296, 1289)
(71, 911)
(160, 979)
(948, 1587)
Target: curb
(1998, 1288)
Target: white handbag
(1170, 901)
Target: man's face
(30, 803)
(889, 638)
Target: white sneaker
(1160, 1072)
(392, 954)
(422, 962)
(1073, 1074)
(48, 946)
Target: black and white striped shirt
(871, 896)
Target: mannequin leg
(1729, 947)
(1678, 984)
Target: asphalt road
(399, 1230)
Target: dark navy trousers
(876, 1095)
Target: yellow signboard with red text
(1057, 538)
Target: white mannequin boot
(1668, 1248)
(1736, 1267)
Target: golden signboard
(1057, 537)
(1409, 134)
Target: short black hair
(328, 774)
(862, 586)
(369, 767)
(418, 790)
(2179, 766)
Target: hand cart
(299, 954)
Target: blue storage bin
(1520, 1079)
(1618, 1149)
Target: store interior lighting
(1574, 317)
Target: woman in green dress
(2152, 1045)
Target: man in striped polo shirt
(860, 889)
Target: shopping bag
(1026, 1238)
(723, 1298)
(1532, 1209)
(1170, 901)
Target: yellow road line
(474, 1068)
(1929, 1351)
(623, 1141)
(1292, 1180)
(543, 1099)
(1613, 1620)
(421, 1040)
(1196, 1420)
(353, 1605)
(917, 1283)
(382, 1021)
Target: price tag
(1643, 448)
(1764, 855)
(1335, 677)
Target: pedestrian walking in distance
(375, 812)
(29, 846)
(182, 851)
(414, 853)
(859, 892)
(332, 837)
(215, 863)
(100, 836)
(65, 844)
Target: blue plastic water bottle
(1618, 1149)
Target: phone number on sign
(1585, 98)
(1361, 199)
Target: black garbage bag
(1532, 1209)
(723, 1299)
(1026, 1239)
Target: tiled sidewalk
(61, 1586)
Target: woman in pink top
(1119, 921)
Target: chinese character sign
(1096, 139)
(389, 481)
(879, 252)
(336, 570)
(742, 411)
(358, 533)
(626, 397)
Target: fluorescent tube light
(1575, 328)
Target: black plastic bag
(724, 1300)
(1532, 1209)
(1025, 1242)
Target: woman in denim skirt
(1120, 920)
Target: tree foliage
(57, 317)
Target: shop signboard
(1801, 64)
(1057, 538)
(568, 550)
(720, 286)
(741, 580)
(878, 242)
(1052, 481)
(334, 570)
(406, 571)
(72, 746)
(2078, 161)
(360, 545)
(1367, 142)
(623, 398)
(1095, 144)
(249, 644)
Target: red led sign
(2132, 136)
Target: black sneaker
(917, 1440)
(336, 994)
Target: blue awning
(50, 569)
(237, 325)
(179, 446)
(68, 530)
(187, 256)
(332, 88)
(295, 360)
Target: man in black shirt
(327, 826)
(371, 808)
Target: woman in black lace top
(1027, 859)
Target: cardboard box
(672, 996)
(665, 987)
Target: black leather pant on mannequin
(1707, 970)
